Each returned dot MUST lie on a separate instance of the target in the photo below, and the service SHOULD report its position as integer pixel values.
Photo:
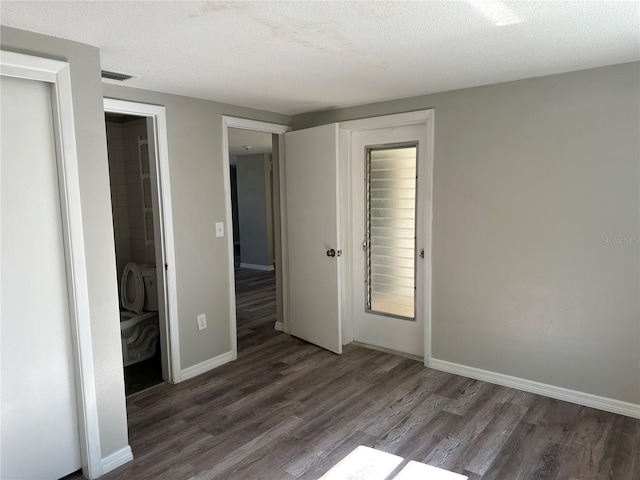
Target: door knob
(331, 253)
(422, 253)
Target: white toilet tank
(139, 323)
(150, 289)
(139, 291)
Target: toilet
(139, 329)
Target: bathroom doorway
(140, 235)
(133, 218)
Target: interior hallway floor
(287, 410)
(255, 307)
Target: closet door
(312, 181)
(39, 429)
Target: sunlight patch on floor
(365, 463)
(416, 470)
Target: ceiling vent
(120, 77)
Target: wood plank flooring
(289, 410)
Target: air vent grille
(120, 77)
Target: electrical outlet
(202, 321)
(219, 229)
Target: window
(391, 230)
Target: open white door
(312, 213)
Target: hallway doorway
(252, 211)
(257, 268)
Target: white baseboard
(559, 393)
(116, 459)
(207, 365)
(279, 326)
(251, 266)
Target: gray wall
(254, 209)
(536, 214)
(198, 201)
(96, 216)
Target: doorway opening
(253, 234)
(135, 212)
(388, 207)
(257, 267)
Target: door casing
(280, 253)
(165, 250)
(57, 74)
(424, 118)
(370, 327)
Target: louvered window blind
(391, 230)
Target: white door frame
(158, 115)
(57, 74)
(421, 117)
(274, 128)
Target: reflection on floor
(142, 375)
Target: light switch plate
(202, 321)
(219, 229)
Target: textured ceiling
(293, 57)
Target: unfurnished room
(366, 240)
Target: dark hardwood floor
(289, 410)
(255, 307)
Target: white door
(312, 203)
(159, 246)
(388, 196)
(39, 430)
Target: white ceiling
(259, 142)
(293, 57)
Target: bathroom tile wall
(119, 196)
(126, 193)
(140, 252)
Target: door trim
(57, 74)
(273, 128)
(157, 114)
(420, 117)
